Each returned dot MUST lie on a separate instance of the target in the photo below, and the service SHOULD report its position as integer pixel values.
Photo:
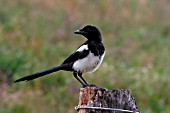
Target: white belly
(88, 64)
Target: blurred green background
(38, 34)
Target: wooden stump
(92, 96)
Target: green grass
(34, 33)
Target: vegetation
(37, 34)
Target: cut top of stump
(92, 97)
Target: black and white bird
(86, 59)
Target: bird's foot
(101, 89)
(85, 85)
(90, 85)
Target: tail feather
(41, 73)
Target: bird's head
(90, 32)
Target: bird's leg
(80, 75)
(75, 75)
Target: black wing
(75, 56)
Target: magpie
(86, 59)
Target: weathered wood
(99, 97)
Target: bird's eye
(88, 29)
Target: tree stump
(93, 99)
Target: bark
(93, 96)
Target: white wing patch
(83, 47)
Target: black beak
(79, 32)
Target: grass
(34, 33)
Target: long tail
(42, 73)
